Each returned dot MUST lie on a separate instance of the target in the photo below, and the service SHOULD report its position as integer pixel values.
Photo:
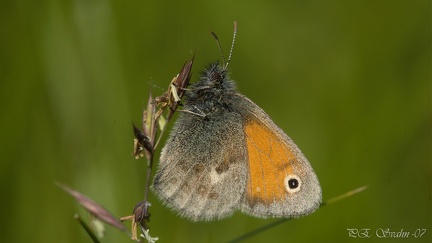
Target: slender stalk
(278, 222)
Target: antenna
(225, 64)
(232, 44)
(220, 48)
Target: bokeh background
(349, 81)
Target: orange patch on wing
(269, 164)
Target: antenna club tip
(235, 25)
(214, 35)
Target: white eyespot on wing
(292, 183)
(216, 177)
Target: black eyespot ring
(292, 183)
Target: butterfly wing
(202, 169)
(281, 182)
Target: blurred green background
(349, 81)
